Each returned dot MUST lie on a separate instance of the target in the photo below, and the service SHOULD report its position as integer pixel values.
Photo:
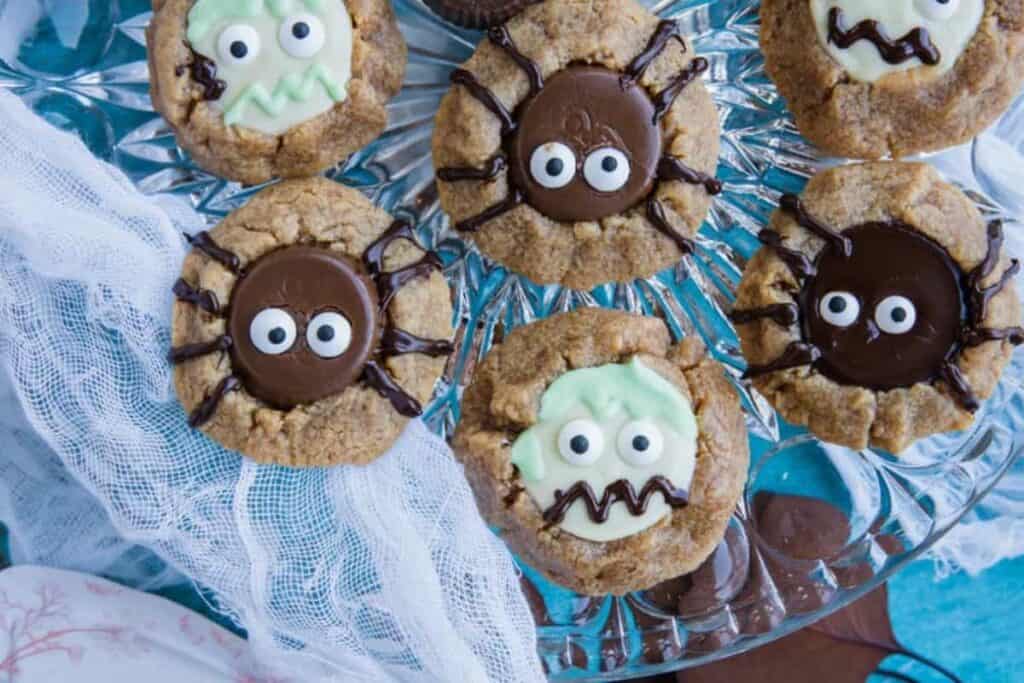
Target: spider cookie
(256, 89)
(609, 459)
(309, 327)
(881, 309)
(877, 78)
(577, 145)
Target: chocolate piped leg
(388, 284)
(960, 387)
(380, 381)
(670, 168)
(782, 314)
(485, 97)
(206, 410)
(396, 342)
(656, 215)
(1014, 335)
(454, 174)
(666, 31)
(664, 99)
(500, 36)
(792, 205)
(796, 355)
(204, 299)
(797, 262)
(373, 257)
(204, 243)
(181, 354)
(473, 224)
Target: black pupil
(899, 315)
(837, 304)
(300, 29)
(277, 335)
(325, 333)
(554, 168)
(239, 49)
(579, 444)
(609, 164)
(641, 443)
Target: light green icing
(613, 397)
(206, 14)
(291, 88)
(632, 387)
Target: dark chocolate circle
(888, 259)
(478, 13)
(305, 281)
(587, 108)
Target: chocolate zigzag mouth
(620, 490)
(917, 43)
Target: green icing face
(602, 425)
(283, 61)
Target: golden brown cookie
(578, 145)
(309, 328)
(882, 308)
(608, 458)
(876, 78)
(273, 88)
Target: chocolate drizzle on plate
(916, 43)
(618, 491)
(313, 292)
(578, 108)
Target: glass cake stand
(818, 526)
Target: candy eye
(581, 442)
(641, 443)
(606, 170)
(238, 44)
(329, 334)
(938, 9)
(272, 331)
(839, 309)
(301, 36)
(896, 315)
(553, 165)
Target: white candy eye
(553, 165)
(641, 443)
(896, 315)
(302, 35)
(272, 331)
(238, 44)
(606, 170)
(329, 334)
(938, 9)
(839, 309)
(581, 442)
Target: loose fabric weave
(379, 573)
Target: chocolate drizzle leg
(204, 243)
(202, 414)
(373, 257)
(388, 284)
(500, 36)
(782, 314)
(916, 43)
(664, 99)
(958, 384)
(396, 342)
(618, 491)
(797, 262)
(792, 205)
(202, 298)
(656, 215)
(666, 31)
(487, 98)
(514, 199)
(797, 354)
(454, 174)
(670, 168)
(204, 73)
(378, 379)
(180, 354)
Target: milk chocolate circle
(889, 259)
(587, 108)
(304, 282)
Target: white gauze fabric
(380, 573)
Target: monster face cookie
(309, 328)
(262, 88)
(879, 78)
(578, 144)
(609, 459)
(882, 308)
